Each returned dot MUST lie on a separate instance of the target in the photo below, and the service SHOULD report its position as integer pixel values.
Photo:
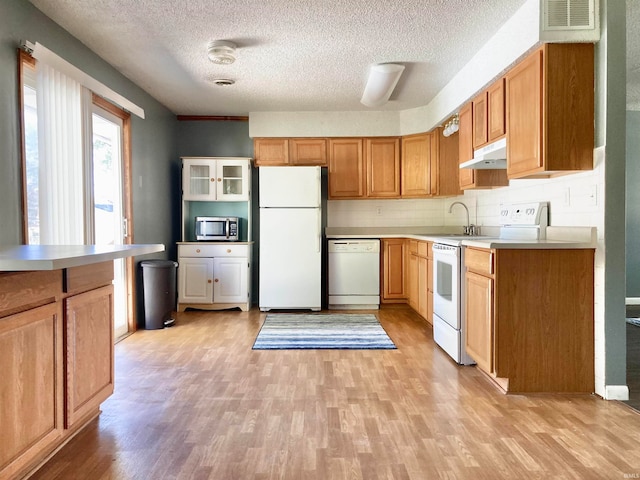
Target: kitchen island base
(56, 346)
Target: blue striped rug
(322, 331)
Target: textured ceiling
(294, 55)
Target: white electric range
(524, 221)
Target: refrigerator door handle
(319, 245)
(319, 174)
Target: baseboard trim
(616, 392)
(633, 301)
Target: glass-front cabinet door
(233, 180)
(199, 179)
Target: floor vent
(569, 15)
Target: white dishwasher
(354, 274)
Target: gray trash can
(159, 285)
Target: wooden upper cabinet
(550, 111)
(465, 145)
(308, 151)
(480, 116)
(444, 163)
(271, 151)
(496, 119)
(383, 167)
(470, 178)
(416, 165)
(346, 168)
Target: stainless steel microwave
(217, 228)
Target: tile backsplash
(574, 200)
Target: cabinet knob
(216, 280)
(228, 250)
(220, 179)
(197, 250)
(209, 281)
(212, 179)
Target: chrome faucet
(469, 229)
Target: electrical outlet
(566, 201)
(379, 211)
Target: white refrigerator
(290, 238)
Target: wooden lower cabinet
(413, 281)
(529, 318)
(479, 331)
(56, 359)
(88, 352)
(420, 278)
(393, 270)
(31, 387)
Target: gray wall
(610, 132)
(633, 204)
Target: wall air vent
(569, 15)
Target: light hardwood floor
(195, 402)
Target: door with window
(108, 222)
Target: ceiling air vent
(569, 14)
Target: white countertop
(557, 237)
(54, 257)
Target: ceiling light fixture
(221, 52)
(382, 80)
(452, 126)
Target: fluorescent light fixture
(382, 80)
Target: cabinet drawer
(480, 261)
(21, 291)
(424, 249)
(87, 277)
(227, 250)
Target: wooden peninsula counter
(56, 345)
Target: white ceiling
(294, 55)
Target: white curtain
(60, 148)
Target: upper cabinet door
(308, 151)
(465, 145)
(346, 168)
(496, 111)
(232, 180)
(480, 120)
(417, 166)
(383, 167)
(199, 178)
(524, 146)
(271, 151)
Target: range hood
(492, 156)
